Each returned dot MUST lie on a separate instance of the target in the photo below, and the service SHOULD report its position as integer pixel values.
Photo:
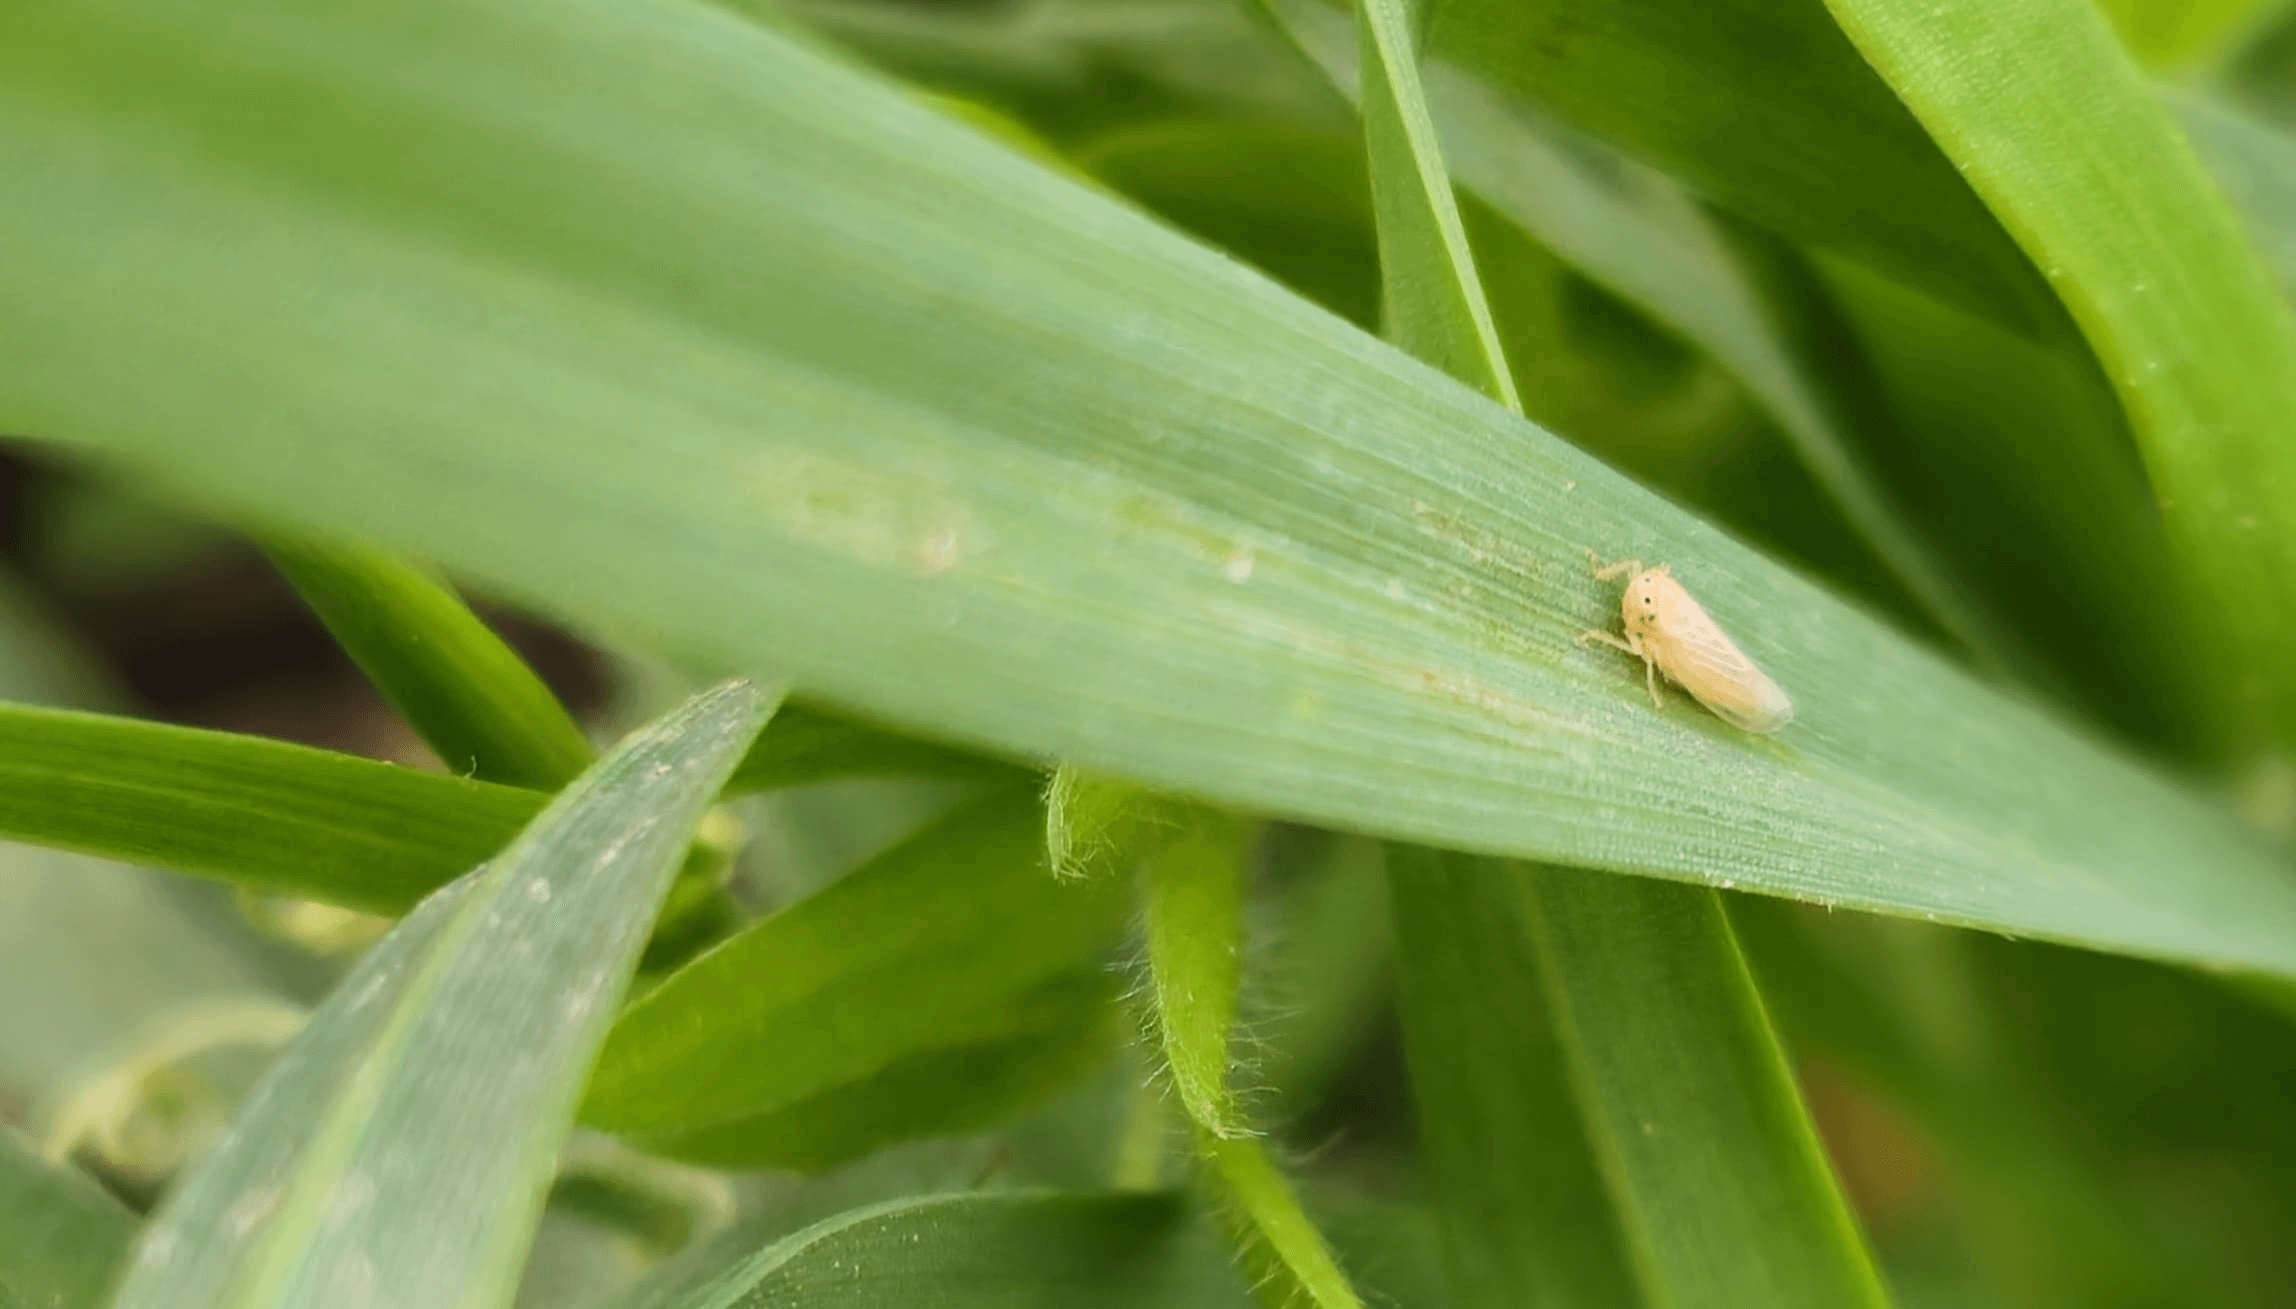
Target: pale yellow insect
(1671, 634)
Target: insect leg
(1611, 639)
(1650, 679)
(1604, 572)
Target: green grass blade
(1021, 1250)
(62, 1240)
(2092, 177)
(981, 1072)
(258, 813)
(1799, 1253)
(925, 948)
(1722, 1191)
(292, 820)
(399, 1152)
(1767, 110)
(1525, 1218)
(1634, 234)
(466, 692)
(1434, 301)
(1201, 535)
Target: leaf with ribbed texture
(1630, 231)
(1723, 1194)
(399, 1151)
(258, 813)
(2041, 109)
(1198, 533)
(927, 949)
(1525, 1219)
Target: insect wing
(1704, 661)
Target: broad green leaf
(1524, 1215)
(1434, 301)
(469, 695)
(2093, 178)
(62, 1240)
(1764, 108)
(1018, 1250)
(982, 1072)
(925, 948)
(1631, 232)
(399, 1151)
(1200, 534)
(1723, 1195)
(805, 743)
(255, 812)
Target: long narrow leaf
(926, 948)
(399, 1152)
(468, 694)
(1525, 1218)
(973, 1075)
(258, 813)
(1626, 229)
(1723, 1194)
(1764, 107)
(1198, 534)
(2093, 179)
(1434, 302)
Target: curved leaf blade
(1722, 1191)
(1195, 924)
(1434, 302)
(985, 1073)
(399, 1152)
(924, 948)
(1767, 109)
(255, 812)
(1200, 534)
(470, 696)
(1525, 1218)
(1630, 231)
(2090, 174)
